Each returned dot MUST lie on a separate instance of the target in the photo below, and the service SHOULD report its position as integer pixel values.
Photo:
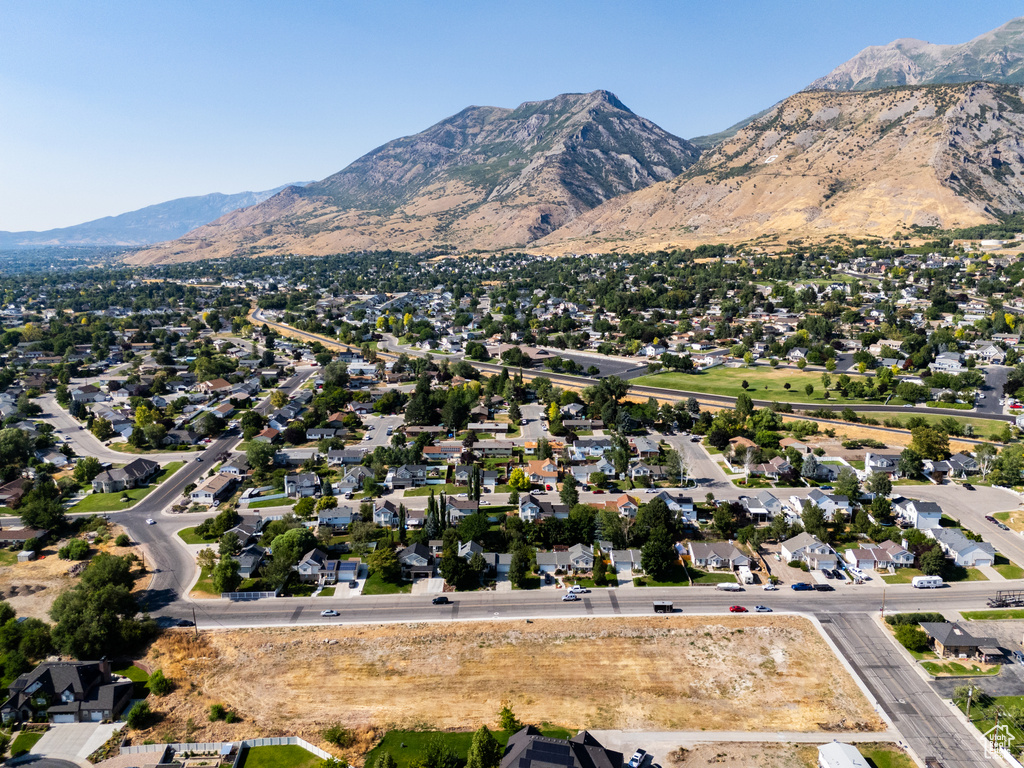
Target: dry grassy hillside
(826, 162)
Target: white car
(770, 588)
(328, 613)
(637, 759)
(576, 589)
(762, 609)
(569, 597)
(150, 521)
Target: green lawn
(993, 615)
(24, 743)
(128, 448)
(532, 581)
(408, 748)
(188, 535)
(285, 502)
(955, 668)
(285, 756)
(980, 425)
(327, 592)
(886, 756)
(718, 577)
(983, 715)
(137, 676)
(424, 490)
(375, 585)
(111, 502)
(1007, 569)
(205, 583)
(949, 406)
(906, 575)
(588, 583)
(765, 383)
(677, 578)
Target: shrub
(217, 712)
(158, 684)
(138, 716)
(231, 717)
(122, 540)
(794, 563)
(900, 619)
(338, 735)
(912, 638)
(76, 549)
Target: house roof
(951, 633)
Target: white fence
(218, 746)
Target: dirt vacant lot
(664, 673)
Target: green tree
(102, 429)
(384, 563)
(813, 518)
(439, 753)
(569, 495)
(519, 567)
(87, 468)
(879, 484)
(912, 638)
(138, 716)
(744, 405)
(484, 751)
(519, 480)
(225, 575)
(847, 484)
(929, 443)
(658, 555)
(933, 562)
(909, 463)
(260, 456)
(507, 720)
(159, 685)
(723, 521)
(304, 507)
(809, 389)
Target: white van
(729, 586)
(926, 582)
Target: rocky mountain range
(901, 135)
(152, 224)
(995, 57)
(832, 163)
(486, 178)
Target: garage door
(63, 718)
(96, 717)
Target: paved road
(925, 721)
(84, 442)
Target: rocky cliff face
(996, 56)
(486, 178)
(833, 162)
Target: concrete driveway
(73, 741)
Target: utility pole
(970, 695)
(194, 622)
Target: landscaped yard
(955, 668)
(765, 383)
(285, 502)
(284, 756)
(24, 743)
(886, 756)
(205, 583)
(129, 448)
(983, 715)
(906, 575)
(424, 490)
(188, 535)
(137, 676)
(531, 581)
(111, 502)
(409, 747)
(1007, 569)
(375, 585)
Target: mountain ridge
(143, 226)
(485, 178)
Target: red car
(548, 487)
(737, 609)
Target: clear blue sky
(110, 106)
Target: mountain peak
(995, 56)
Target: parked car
(824, 588)
(353, 584)
(762, 609)
(637, 759)
(576, 589)
(186, 623)
(737, 609)
(328, 613)
(569, 597)
(770, 588)
(826, 573)
(1003, 527)
(548, 487)
(440, 600)
(990, 518)
(694, 439)
(801, 586)
(968, 487)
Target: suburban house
(527, 748)
(681, 505)
(625, 505)
(579, 557)
(951, 640)
(646, 473)
(532, 509)
(385, 514)
(960, 549)
(316, 568)
(11, 537)
(830, 504)
(808, 549)
(407, 476)
(213, 490)
(354, 478)
(250, 560)
(884, 463)
(131, 475)
(961, 465)
(67, 692)
(763, 506)
(301, 485)
(338, 517)
(416, 562)
(542, 471)
(582, 472)
(337, 457)
(459, 508)
(717, 554)
(922, 515)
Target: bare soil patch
(678, 673)
(745, 754)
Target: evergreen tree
(484, 752)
